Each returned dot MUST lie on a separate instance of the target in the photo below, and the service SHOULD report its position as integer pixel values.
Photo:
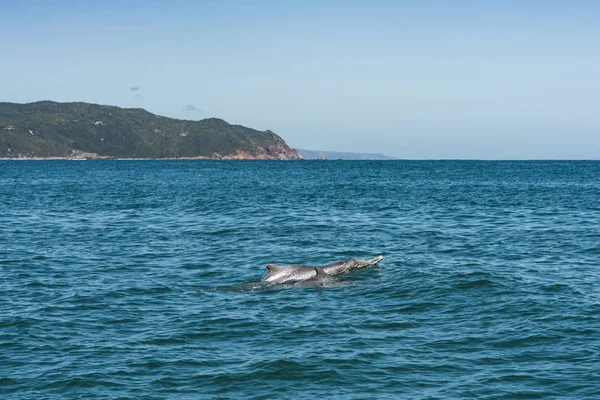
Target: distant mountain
(82, 130)
(336, 155)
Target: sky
(409, 79)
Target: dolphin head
(376, 260)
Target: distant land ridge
(48, 129)
(336, 155)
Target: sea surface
(137, 280)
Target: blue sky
(428, 79)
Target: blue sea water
(134, 280)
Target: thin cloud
(192, 108)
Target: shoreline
(145, 159)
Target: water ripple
(141, 280)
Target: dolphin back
(288, 273)
(321, 278)
(300, 272)
(342, 267)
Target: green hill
(82, 130)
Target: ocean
(137, 280)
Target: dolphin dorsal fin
(271, 267)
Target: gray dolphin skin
(342, 267)
(321, 278)
(300, 272)
(288, 273)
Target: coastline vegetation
(47, 129)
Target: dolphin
(342, 267)
(300, 272)
(321, 278)
(288, 273)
